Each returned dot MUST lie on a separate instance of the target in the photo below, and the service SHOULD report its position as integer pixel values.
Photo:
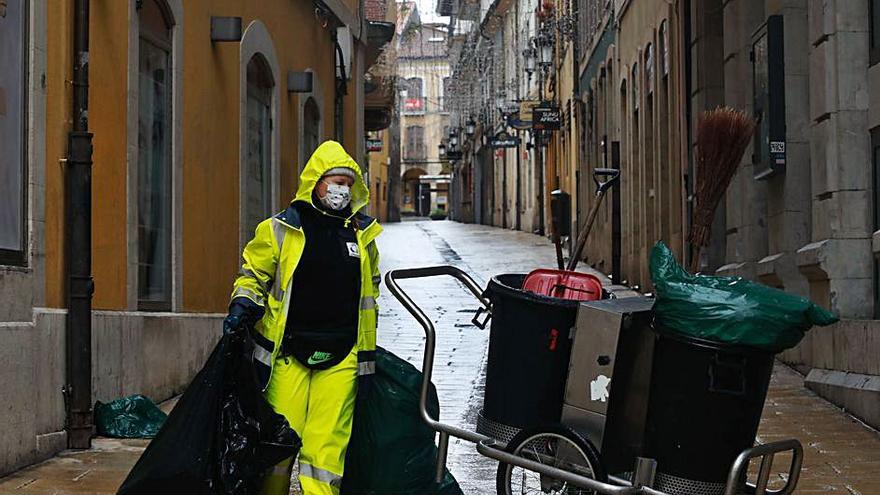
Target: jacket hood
(331, 154)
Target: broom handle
(695, 258)
(601, 189)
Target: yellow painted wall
(59, 14)
(379, 173)
(210, 138)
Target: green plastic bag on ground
(732, 310)
(134, 416)
(392, 450)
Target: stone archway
(416, 199)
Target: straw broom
(723, 135)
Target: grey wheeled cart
(562, 458)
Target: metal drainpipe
(518, 219)
(78, 388)
(539, 158)
(339, 77)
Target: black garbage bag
(134, 416)
(221, 437)
(392, 450)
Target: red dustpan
(567, 283)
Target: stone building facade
(802, 220)
(196, 137)
(806, 225)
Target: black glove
(242, 314)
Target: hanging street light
(453, 138)
(470, 127)
(441, 148)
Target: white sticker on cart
(599, 388)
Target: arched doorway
(416, 196)
(258, 142)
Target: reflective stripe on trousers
(322, 475)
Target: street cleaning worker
(309, 282)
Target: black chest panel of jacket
(322, 321)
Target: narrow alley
(840, 451)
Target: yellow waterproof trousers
(319, 405)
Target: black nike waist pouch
(319, 349)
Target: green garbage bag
(392, 450)
(134, 416)
(729, 309)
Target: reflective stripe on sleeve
(253, 296)
(319, 474)
(245, 272)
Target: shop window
(258, 142)
(154, 185)
(13, 166)
(635, 87)
(311, 129)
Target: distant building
(423, 74)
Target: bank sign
(546, 117)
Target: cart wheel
(555, 445)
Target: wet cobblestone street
(841, 455)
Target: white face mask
(338, 197)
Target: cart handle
(766, 452)
(391, 279)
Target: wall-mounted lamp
(545, 44)
(225, 28)
(299, 82)
(442, 149)
(453, 138)
(470, 127)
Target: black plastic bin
(529, 351)
(705, 404)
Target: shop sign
(546, 117)
(374, 145)
(504, 140)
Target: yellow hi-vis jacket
(270, 259)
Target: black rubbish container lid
(509, 285)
